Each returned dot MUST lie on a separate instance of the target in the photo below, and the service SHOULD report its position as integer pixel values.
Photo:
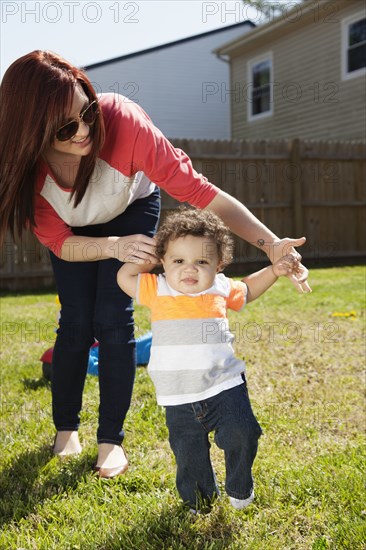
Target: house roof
(169, 44)
(302, 14)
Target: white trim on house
(346, 22)
(268, 56)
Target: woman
(78, 171)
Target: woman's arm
(241, 221)
(244, 224)
(138, 249)
(54, 233)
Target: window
(353, 46)
(260, 90)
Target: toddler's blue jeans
(229, 414)
(93, 306)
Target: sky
(85, 32)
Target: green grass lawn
(305, 358)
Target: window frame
(268, 56)
(346, 23)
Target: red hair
(35, 95)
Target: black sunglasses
(88, 116)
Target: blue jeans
(94, 307)
(229, 414)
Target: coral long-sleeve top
(135, 157)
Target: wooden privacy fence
(295, 187)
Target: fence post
(296, 178)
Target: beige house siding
(311, 100)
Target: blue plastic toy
(143, 345)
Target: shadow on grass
(34, 477)
(175, 528)
(36, 383)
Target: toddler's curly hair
(198, 223)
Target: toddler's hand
(291, 267)
(287, 266)
(278, 252)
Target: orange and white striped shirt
(192, 357)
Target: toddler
(196, 375)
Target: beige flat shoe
(112, 461)
(67, 444)
(109, 473)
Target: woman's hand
(286, 248)
(137, 249)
